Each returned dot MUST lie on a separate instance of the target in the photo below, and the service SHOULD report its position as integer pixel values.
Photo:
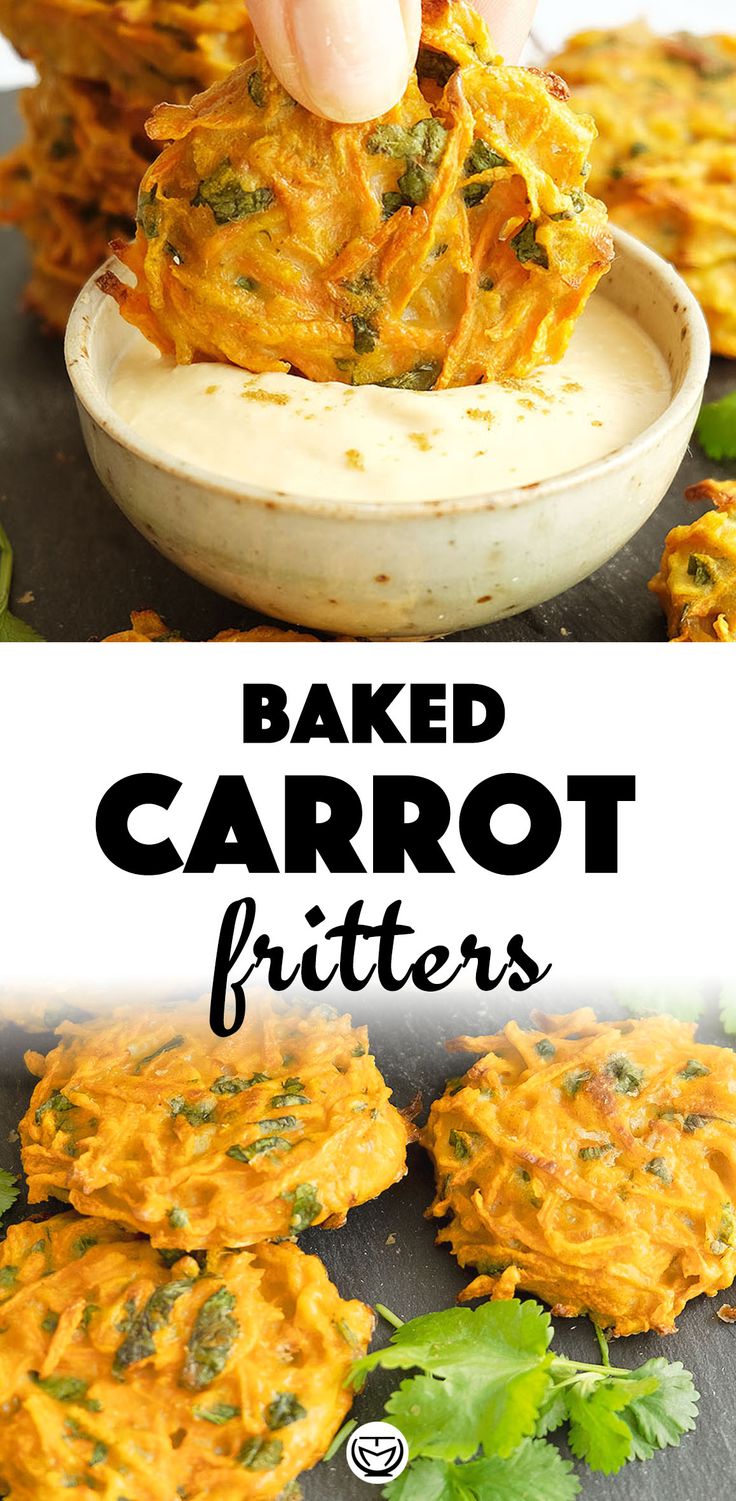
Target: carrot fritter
(665, 158)
(144, 50)
(125, 1375)
(593, 1164)
(450, 241)
(200, 1141)
(696, 583)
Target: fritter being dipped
(593, 1164)
(123, 1374)
(451, 241)
(665, 158)
(199, 1141)
(696, 583)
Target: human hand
(350, 59)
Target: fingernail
(354, 56)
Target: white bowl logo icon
(377, 1453)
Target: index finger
(509, 22)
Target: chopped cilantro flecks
(57, 1104)
(258, 1148)
(545, 1048)
(694, 1069)
(627, 1075)
(527, 249)
(219, 1414)
(195, 1115)
(701, 570)
(659, 1169)
(211, 1341)
(284, 1410)
(261, 1454)
(257, 89)
(482, 158)
(421, 378)
(365, 335)
(139, 1343)
(306, 1207)
(224, 194)
(574, 1081)
(166, 1047)
(148, 216)
(229, 1086)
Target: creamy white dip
(366, 443)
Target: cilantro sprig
(8, 1190)
(716, 429)
(489, 1391)
(11, 628)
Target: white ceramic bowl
(400, 569)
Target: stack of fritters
(696, 583)
(665, 158)
(170, 1338)
(72, 185)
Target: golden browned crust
(450, 241)
(198, 1141)
(593, 1165)
(696, 582)
(221, 1378)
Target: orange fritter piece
(665, 158)
(146, 625)
(123, 1374)
(446, 243)
(696, 583)
(200, 1141)
(593, 1164)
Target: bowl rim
(90, 397)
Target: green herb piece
(627, 1075)
(545, 1049)
(392, 202)
(166, 1047)
(57, 1104)
(699, 569)
(340, 1438)
(574, 1081)
(414, 184)
(462, 1144)
(84, 1244)
(365, 335)
(148, 216)
(258, 1148)
(280, 1123)
(482, 158)
(99, 1454)
(178, 1218)
(595, 1152)
(284, 1410)
(11, 628)
(285, 1101)
(306, 1207)
(693, 1069)
(224, 194)
(88, 1315)
(693, 1123)
(435, 65)
(8, 1190)
(139, 1343)
(228, 1086)
(219, 1413)
(50, 1323)
(535, 1470)
(725, 1233)
(66, 1389)
(261, 1454)
(659, 1169)
(211, 1341)
(526, 249)
(247, 283)
(716, 429)
(257, 89)
(424, 142)
(195, 1115)
(348, 1334)
(293, 1086)
(475, 193)
(421, 378)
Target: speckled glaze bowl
(399, 569)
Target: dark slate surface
(87, 568)
(386, 1254)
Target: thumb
(346, 59)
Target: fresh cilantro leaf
(598, 1434)
(485, 1371)
(11, 628)
(536, 1469)
(716, 429)
(659, 1418)
(8, 1190)
(684, 1002)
